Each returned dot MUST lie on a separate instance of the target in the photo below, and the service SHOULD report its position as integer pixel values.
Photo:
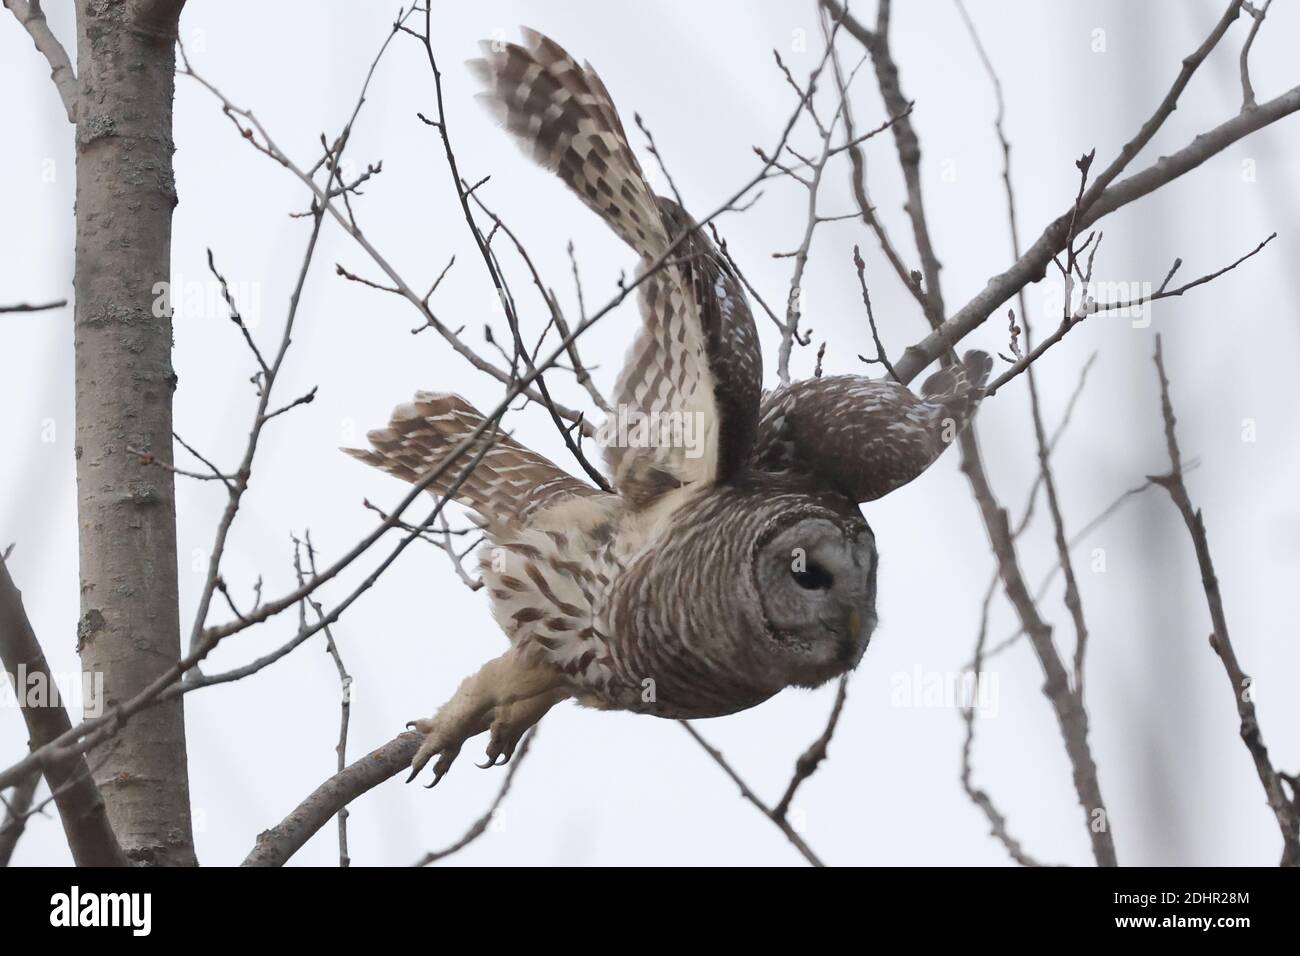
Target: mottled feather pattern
(549, 582)
(697, 353)
(866, 437)
(563, 117)
(548, 559)
(731, 348)
(509, 483)
(700, 635)
(959, 387)
(650, 599)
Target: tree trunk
(129, 629)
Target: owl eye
(813, 578)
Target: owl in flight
(732, 560)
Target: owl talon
(478, 707)
(505, 737)
(496, 757)
(437, 743)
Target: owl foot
(507, 696)
(501, 746)
(511, 721)
(437, 742)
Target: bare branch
(32, 17)
(811, 758)
(905, 139)
(239, 484)
(81, 808)
(480, 826)
(781, 822)
(27, 307)
(881, 358)
(1068, 708)
(147, 458)
(1248, 91)
(1071, 716)
(1088, 307)
(512, 317)
(794, 312)
(17, 809)
(910, 278)
(1106, 194)
(979, 797)
(1073, 601)
(659, 160)
(235, 315)
(1285, 810)
(276, 845)
(345, 681)
(1030, 267)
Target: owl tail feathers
(507, 481)
(959, 387)
(565, 119)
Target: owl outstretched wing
(686, 403)
(863, 436)
(509, 483)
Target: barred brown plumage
(565, 119)
(889, 434)
(733, 561)
(508, 483)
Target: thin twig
(32, 17)
(480, 826)
(811, 758)
(1106, 194)
(781, 822)
(1248, 91)
(881, 357)
(27, 307)
(345, 682)
(978, 796)
(1073, 600)
(1071, 716)
(1284, 809)
(17, 810)
(1089, 307)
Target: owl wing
(692, 379)
(863, 436)
(563, 117)
(686, 403)
(507, 486)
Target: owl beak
(855, 638)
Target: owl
(731, 561)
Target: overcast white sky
(604, 788)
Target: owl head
(814, 570)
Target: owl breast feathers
(732, 560)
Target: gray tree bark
(81, 809)
(15, 822)
(129, 628)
